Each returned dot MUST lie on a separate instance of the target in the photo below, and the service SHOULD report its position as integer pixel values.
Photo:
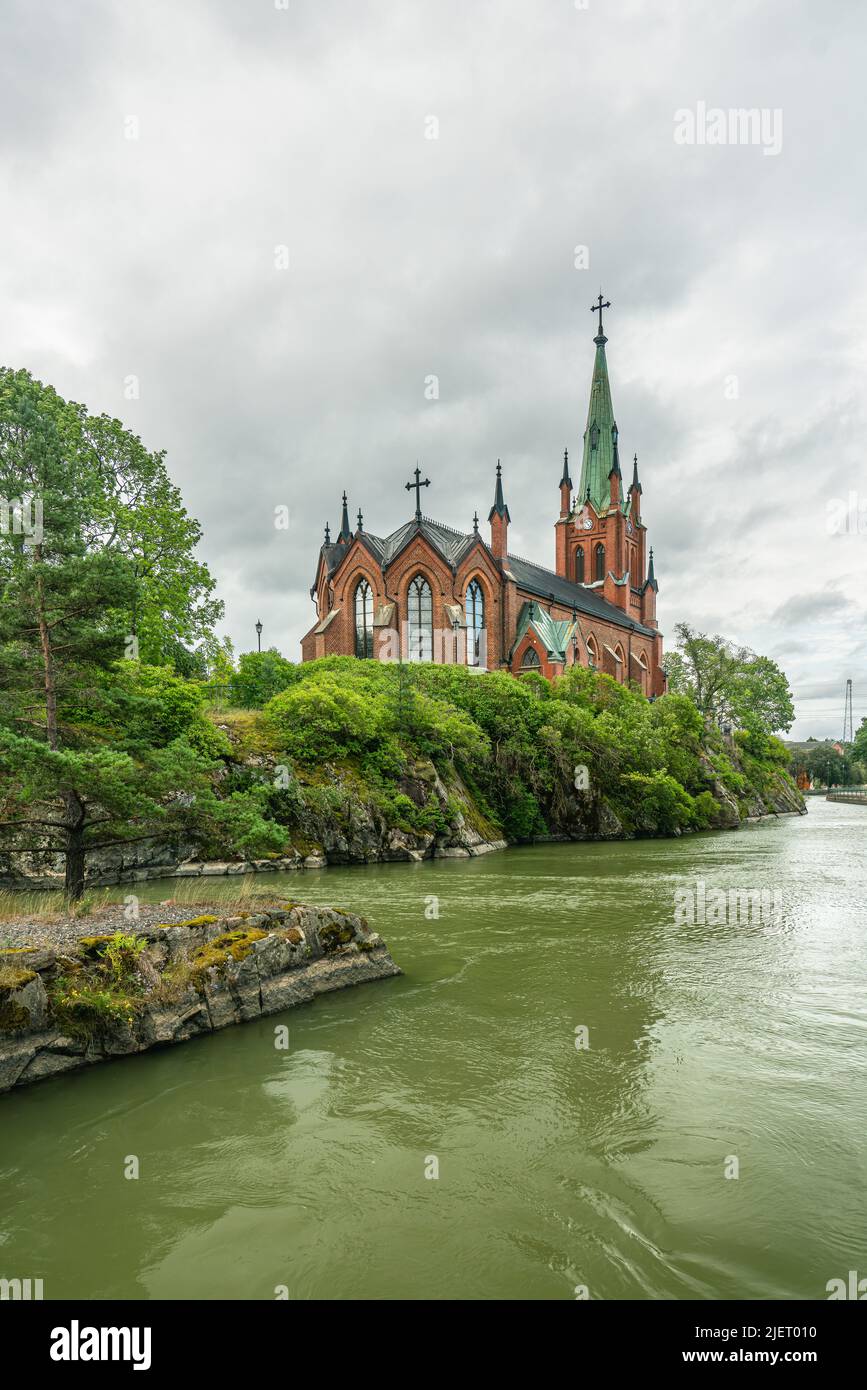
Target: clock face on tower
(629, 528)
(583, 520)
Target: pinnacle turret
(499, 508)
(345, 533)
(635, 485)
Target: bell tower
(600, 537)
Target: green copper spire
(600, 436)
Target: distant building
(430, 593)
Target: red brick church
(430, 593)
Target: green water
(557, 1167)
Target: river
(712, 1049)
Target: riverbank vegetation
(114, 730)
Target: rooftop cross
(597, 309)
(418, 485)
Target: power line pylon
(848, 727)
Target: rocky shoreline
(69, 1000)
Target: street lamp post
(259, 635)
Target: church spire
(345, 533)
(600, 437)
(651, 577)
(636, 485)
(499, 519)
(499, 503)
(565, 487)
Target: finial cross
(597, 309)
(418, 485)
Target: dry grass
(49, 906)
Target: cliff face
(71, 1006)
(335, 818)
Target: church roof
(454, 545)
(556, 589)
(450, 544)
(554, 634)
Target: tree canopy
(730, 684)
(96, 748)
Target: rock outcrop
(115, 995)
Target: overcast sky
(737, 343)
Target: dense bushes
(514, 744)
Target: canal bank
(558, 1166)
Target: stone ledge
(205, 974)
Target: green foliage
(96, 750)
(259, 677)
(729, 684)
(859, 747)
(659, 802)
(121, 953)
(827, 767)
(514, 746)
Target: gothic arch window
(475, 611)
(420, 613)
(592, 651)
(530, 660)
(642, 671)
(579, 565)
(599, 558)
(363, 619)
(618, 662)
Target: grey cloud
(408, 257)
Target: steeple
(651, 577)
(635, 485)
(327, 534)
(345, 533)
(565, 487)
(499, 504)
(360, 522)
(499, 519)
(600, 436)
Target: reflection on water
(557, 1166)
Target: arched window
(618, 662)
(475, 610)
(579, 565)
(642, 672)
(599, 553)
(420, 613)
(363, 619)
(530, 660)
(592, 652)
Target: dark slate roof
(549, 585)
(453, 545)
(450, 544)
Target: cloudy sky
(156, 159)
